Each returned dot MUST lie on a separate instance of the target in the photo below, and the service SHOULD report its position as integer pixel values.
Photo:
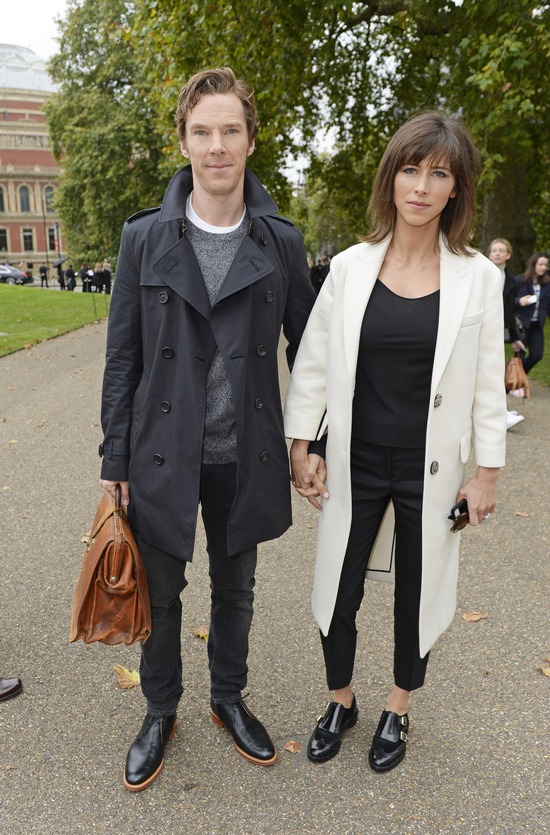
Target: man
(43, 270)
(191, 404)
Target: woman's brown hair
(209, 83)
(443, 140)
(530, 275)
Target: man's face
(217, 145)
(499, 254)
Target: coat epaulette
(142, 213)
(284, 219)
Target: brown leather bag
(111, 596)
(515, 378)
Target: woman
(401, 365)
(532, 300)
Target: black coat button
(264, 456)
(434, 467)
(158, 459)
(261, 350)
(165, 406)
(100, 449)
(163, 297)
(259, 403)
(438, 400)
(167, 352)
(269, 296)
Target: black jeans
(379, 474)
(534, 341)
(232, 596)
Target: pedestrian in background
(532, 301)
(43, 271)
(400, 368)
(500, 252)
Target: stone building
(30, 232)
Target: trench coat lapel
(179, 269)
(249, 266)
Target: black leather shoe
(326, 739)
(389, 742)
(9, 687)
(250, 738)
(145, 758)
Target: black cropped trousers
(380, 474)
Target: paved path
(478, 756)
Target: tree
(357, 69)
(102, 128)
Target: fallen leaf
(14, 441)
(506, 87)
(201, 632)
(521, 513)
(293, 746)
(6, 487)
(545, 671)
(126, 678)
(10, 767)
(473, 617)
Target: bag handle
(118, 494)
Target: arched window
(48, 198)
(25, 199)
(2, 209)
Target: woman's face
(541, 267)
(422, 191)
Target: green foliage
(357, 69)
(102, 128)
(31, 315)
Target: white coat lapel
(362, 274)
(456, 276)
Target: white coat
(467, 408)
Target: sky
(31, 23)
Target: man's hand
(109, 486)
(308, 473)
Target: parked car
(12, 275)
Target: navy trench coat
(162, 336)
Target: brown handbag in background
(111, 596)
(515, 378)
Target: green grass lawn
(30, 314)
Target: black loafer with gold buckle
(389, 742)
(326, 739)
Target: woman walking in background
(399, 371)
(532, 300)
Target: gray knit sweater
(215, 253)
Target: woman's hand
(109, 486)
(480, 492)
(308, 473)
(518, 345)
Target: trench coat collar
(258, 202)
(456, 276)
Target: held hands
(308, 473)
(109, 486)
(480, 493)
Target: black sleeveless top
(394, 368)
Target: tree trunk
(505, 214)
